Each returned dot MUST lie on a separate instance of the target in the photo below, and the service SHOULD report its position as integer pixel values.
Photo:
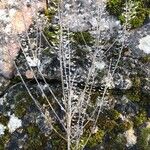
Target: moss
(106, 124)
(81, 52)
(113, 114)
(143, 140)
(115, 6)
(119, 143)
(94, 97)
(136, 81)
(50, 13)
(52, 10)
(140, 118)
(94, 140)
(133, 95)
(52, 34)
(36, 140)
(4, 139)
(145, 59)
(137, 21)
(20, 109)
(57, 142)
(32, 130)
(4, 119)
(15, 80)
(138, 13)
(124, 126)
(83, 38)
(22, 103)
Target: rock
(14, 21)
(145, 44)
(33, 62)
(14, 123)
(84, 15)
(4, 83)
(126, 107)
(121, 82)
(100, 65)
(2, 129)
(130, 137)
(29, 74)
(138, 41)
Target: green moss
(20, 109)
(52, 34)
(136, 16)
(136, 81)
(145, 59)
(50, 13)
(52, 10)
(137, 21)
(81, 52)
(22, 102)
(4, 139)
(56, 141)
(115, 6)
(133, 95)
(113, 114)
(36, 140)
(32, 130)
(124, 126)
(4, 119)
(119, 143)
(106, 124)
(83, 38)
(143, 141)
(94, 139)
(140, 119)
(15, 80)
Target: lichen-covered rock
(15, 20)
(4, 83)
(145, 44)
